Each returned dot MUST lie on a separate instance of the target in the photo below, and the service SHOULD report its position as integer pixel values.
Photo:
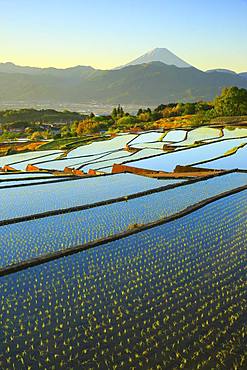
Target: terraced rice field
(22, 175)
(25, 240)
(175, 136)
(169, 297)
(124, 271)
(16, 159)
(231, 133)
(147, 137)
(201, 134)
(33, 181)
(102, 155)
(78, 162)
(168, 162)
(144, 153)
(235, 160)
(102, 146)
(19, 202)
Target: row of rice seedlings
(25, 240)
(170, 297)
(21, 202)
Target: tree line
(231, 102)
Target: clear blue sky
(107, 33)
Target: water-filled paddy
(18, 202)
(22, 175)
(175, 136)
(168, 162)
(200, 134)
(22, 241)
(69, 162)
(144, 153)
(34, 181)
(21, 166)
(116, 143)
(231, 133)
(13, 159)
(156, 145)
(147, 137)
(136, 301)
(150, 142)
(236, 160)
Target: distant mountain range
(144, 81)
(51, 71)
(243, 74)
(221, 70)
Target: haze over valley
(155, 77)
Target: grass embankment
(234, 150)
(17, 147)
(234, 120)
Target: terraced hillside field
(169, 297)
(27, 239)
(140, 269)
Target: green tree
(120, 111)
(155, 116)
(114, 113)
(65, 131)
(189, 108)
(202, 106)
(73, 128)
(126, 121)
(231, 102)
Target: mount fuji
(162, 55)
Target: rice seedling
(169, 297)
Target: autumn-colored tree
(90, 126)
(144, 117)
